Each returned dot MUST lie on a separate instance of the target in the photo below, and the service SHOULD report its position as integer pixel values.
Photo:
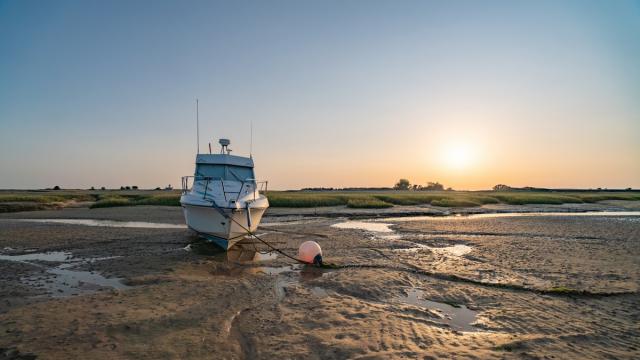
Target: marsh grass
(162, 200)
(448, 202)
(44, 199)
(111, 202)
(368, 202)
(14, 201)
(536, 198)
(482, 199)
(303, 199)
(595, 198)
(438, 198)
(561, 290)
(22, 200)
(409, 199)
(134, 200)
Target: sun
(458, 156)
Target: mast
(197, 128)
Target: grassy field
(439, 198)
(25, 200)
(46, 199)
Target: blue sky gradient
(341, 93)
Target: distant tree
(449, 189)
(121, 187)
(402, 184)
(56, 187)
(501, 187)
(103, 188)
(433, 186)
(158, 188)
(415, 187)
(127, 187)
(134, 187)
(92, 188)
(169, 187)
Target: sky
(340, 93)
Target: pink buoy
(310, 252)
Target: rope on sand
(249, 232)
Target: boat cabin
(224, 167)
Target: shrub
(402, 184)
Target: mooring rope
(256, 236)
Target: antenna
(224, 143)
(251, 139)
(197, 127)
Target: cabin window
(225, 172)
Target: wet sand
(538, 286)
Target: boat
(222, 202)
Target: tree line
(404, 184)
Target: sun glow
(458, 156)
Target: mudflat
(133, 282)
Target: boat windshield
(225, 172)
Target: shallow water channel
(107, 223)
(383, 231)
(59, 278)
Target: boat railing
(188, 181)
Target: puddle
(364, 225)
(390, 237)
(57, 256)
(507, 215)
(62, 280)
(290, 222)
(458, 318)
(382, 231)
(455, 250)
(107, 223)
(275, 270)
(265, 256)
(241, 254)
(319, 292)
(289, 276)
(245, 251)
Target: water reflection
(618, 214)
(458, 317)
(63, 280)
(245, 251)
(364, 225)
(106, 223)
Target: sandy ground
(445, 287)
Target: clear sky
(341, 93)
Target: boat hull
(223, 230)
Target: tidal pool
(107, 223)
(382, 231)
(62, 280)
(457, 317)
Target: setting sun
(457, 156)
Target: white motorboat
(222, 201)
